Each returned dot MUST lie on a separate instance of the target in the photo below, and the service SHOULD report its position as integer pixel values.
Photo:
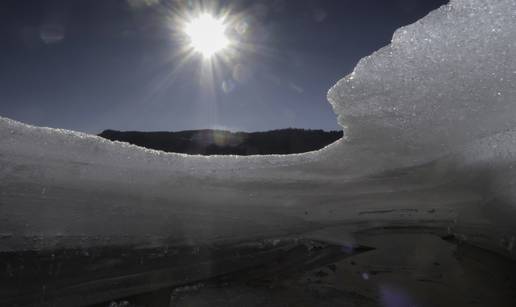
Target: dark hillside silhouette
(220, 142)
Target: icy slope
(427, 121)
(444, 81)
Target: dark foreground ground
(390, 267)
(404, 270)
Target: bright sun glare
(207, 35)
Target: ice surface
(443, 81)
(430, 141)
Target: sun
(207, 35)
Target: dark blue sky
(92, 65)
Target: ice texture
(444, 81)
(430, 141)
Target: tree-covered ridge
(221, 142)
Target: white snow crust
(430, 140)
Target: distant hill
(220, 142)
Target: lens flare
(207, 35)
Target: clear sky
(91, 65)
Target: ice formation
(430, 142)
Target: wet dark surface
(390, 267)
(87, 276)
(405, 269)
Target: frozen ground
(429, 143)
(405, 269)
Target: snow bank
(428, 141)
(444, 81)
